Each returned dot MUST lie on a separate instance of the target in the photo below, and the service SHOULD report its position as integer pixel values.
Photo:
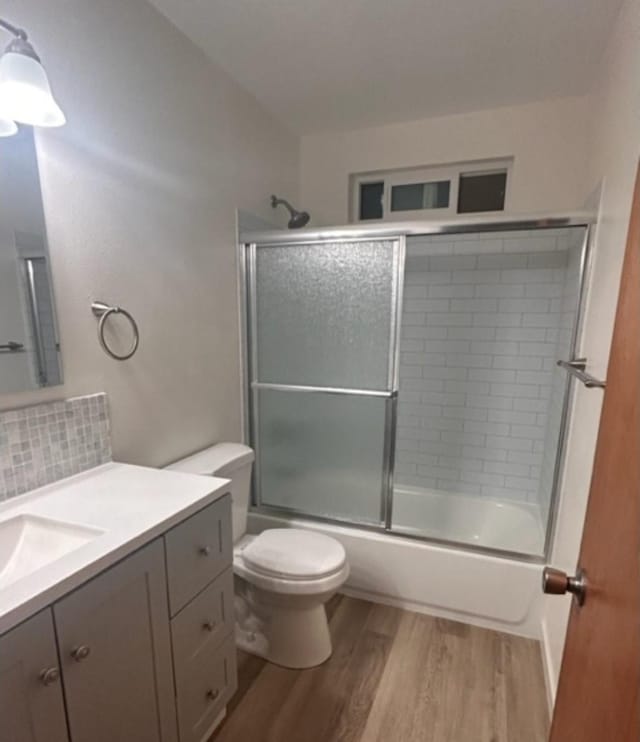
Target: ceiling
(322, 65)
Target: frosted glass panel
(324, 314)
(322, 454)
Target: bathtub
(477, 521)
(463, 585)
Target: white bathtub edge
(428, 610)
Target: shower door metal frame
(391, 230)
(252, 386)
(247, 247)
(552, 515)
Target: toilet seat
(291, 560)
(294, 554)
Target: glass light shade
(25, 94)
(7, 127)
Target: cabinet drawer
(204, 687)
(197, 551)
(204, 622)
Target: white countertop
(131, 505)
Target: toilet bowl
(283, 576)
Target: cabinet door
(31, 705)
(115, 652)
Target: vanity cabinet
(31, 703)
(200, 579)
(144, 651)
(115, 653)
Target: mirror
(29, 345)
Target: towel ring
(104, 311)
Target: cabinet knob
(81, 652)
(50, 675)
(204, 550)
(212, 694)
(209, 625)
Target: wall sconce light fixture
(25, 93)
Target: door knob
(557, 582)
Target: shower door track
(392, 230)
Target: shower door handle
(557, 582)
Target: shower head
(298, 218)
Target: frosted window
(324, 314)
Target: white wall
(140, 191)
(614, 148)
(548, 141)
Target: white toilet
(283, 576)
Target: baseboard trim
(547, 666)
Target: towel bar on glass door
(104, 311)
(576, 368)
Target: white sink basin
(29, 542)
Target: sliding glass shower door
(322, 334)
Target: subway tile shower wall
(485, 318)
(46, 442)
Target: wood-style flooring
(395, 676)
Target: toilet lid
(294, 554)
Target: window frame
(410, 176)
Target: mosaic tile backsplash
(46, 442)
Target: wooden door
(31, 704)
(115, 653)
(598, 692)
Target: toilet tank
(230, 461)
